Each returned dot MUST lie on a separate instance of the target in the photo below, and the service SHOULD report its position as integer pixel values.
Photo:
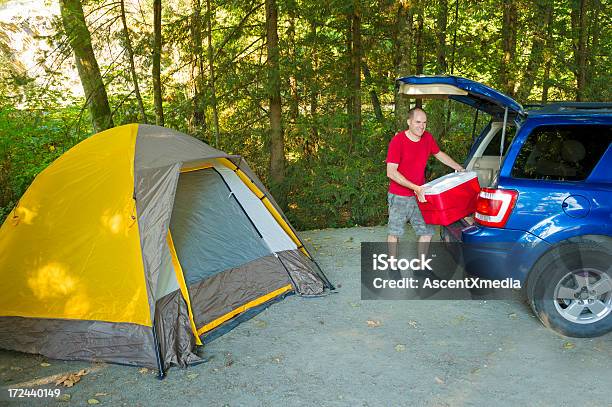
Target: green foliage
(336, 189)
(29, 142)
(328, 183)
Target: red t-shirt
(412, 158)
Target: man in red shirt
(406, 160)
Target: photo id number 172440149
(34, 393)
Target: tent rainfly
(138, 244)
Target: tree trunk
(197, 69)
(579, 25)
(310, 144)
(595, 32)
(294, 101)
(211, 68)
(441, 25)
(447, 119)
(542, 15)
(277, 148)
(350, 95)
(156, 69)
(79, 39)
(402, 58)
(418, 44)
(506, 73)
(373, 96)
(130, 57)
(548, 54)
(356, 56)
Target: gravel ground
(323, 352)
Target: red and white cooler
(450, 198)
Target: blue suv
(544, 214)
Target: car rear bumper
(494, 253)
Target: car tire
(570, 289)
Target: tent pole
(320, 273)
(160, 365)
(323, 276)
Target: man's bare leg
(423, 244)
(392, 242)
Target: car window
(493, 147)
(562, 152)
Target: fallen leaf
(475, 371)
(354, 304)
(192, 376)
(569, 345)
(412, 324)
(64, 397)
(400, 347)
(42, 381)
(45, 364)
(260, 323)
(513, 316)
(70, 379)
(438, 380)
(93, 401)
(373, 323)
(100, 394)
(458, 320)
(143, 370)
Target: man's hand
(419, 191)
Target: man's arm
(446, 160)
(395, 175)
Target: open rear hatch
(502, 109)
(471, 93)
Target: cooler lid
(449, 181)
(463, 90)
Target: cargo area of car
(486, 161)
(489, 154)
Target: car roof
(570, 109)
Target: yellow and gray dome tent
(137, 244)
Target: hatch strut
(503, 137)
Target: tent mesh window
(210, 230)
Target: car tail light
(494, 206)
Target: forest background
(304, 90)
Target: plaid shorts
(402, 209)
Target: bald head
(412, 112)
(417, 121)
